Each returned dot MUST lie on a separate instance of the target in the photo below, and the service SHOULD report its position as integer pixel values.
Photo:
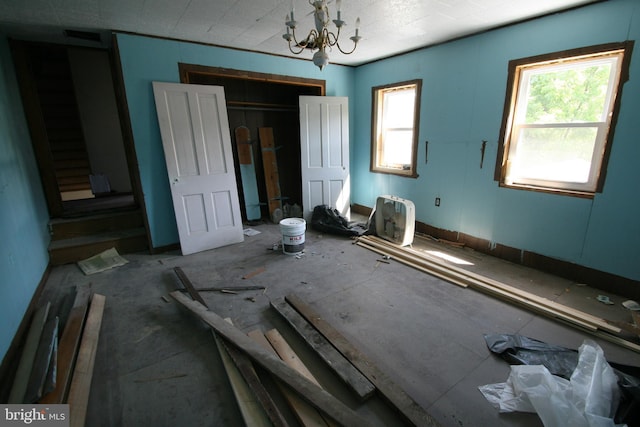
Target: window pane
(554, 154)
(568, 95)
(398, 109)
(397, 148)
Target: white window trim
(512, 123)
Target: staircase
(75, 239)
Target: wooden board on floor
(305, 388)
(25, 365)
(68, 346)
(251, 410)
(242, 364)
(83, 372)
(271, 175)
(306, 414)
(42, 361)
(287, 354)
(336, 361)
(410, 410)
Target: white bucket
(292, 235)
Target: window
(559, 117)
(394, 133)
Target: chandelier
(319, 38)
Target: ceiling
(388, 27)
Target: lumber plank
(83, 372)
(52, 371)
(23, 372)
(305, 388)
(587, 317)
(249, 374)
(188, 285)
(42, 361)
(68, 347)
(241, 362)
(410, 263)
(248, 173)
(286, 353)
(336, 361)
(528, 300)
(408, 408)
(252, 411)
(306, 414)
(271, 175)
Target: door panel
(197, 145)
(324, 137)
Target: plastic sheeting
(557, 371)
(588, 399)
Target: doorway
(72, 112)
(258, 100)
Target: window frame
(511, 99)
(376, 116)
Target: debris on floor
(250, 232)
(103, 261)
(53, 371)
(562, 384)
(254, 273)
(604, 299)
(466, 278)
(631, 305)
(305, 396)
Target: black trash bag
(561, 361)
(329, 220)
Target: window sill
(557, 191)
(403, 173)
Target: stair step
(75, 249)
(66, 228)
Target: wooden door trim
(188, 70)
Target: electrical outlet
(437, 201)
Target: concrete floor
(157, 365)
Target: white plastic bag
(588, 399)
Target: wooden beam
(241, 362)
(287, 354)
(25, 365)
(42, 361)
(68, 347)
(410, 410)
(83, 372)
(411, 263)
(306, 414)
(314, 394)
(271, 176)
(336, 361)
(251, 410)
(496, 288)
(188, 285)
(589, 323)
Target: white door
(324, 138)
(197, 147)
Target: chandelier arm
(296, 52)
(332, 39)
(355, 45)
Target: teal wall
(23, 212)
(145, 60)
(463, 94)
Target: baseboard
(12, 357)
(604, 281)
